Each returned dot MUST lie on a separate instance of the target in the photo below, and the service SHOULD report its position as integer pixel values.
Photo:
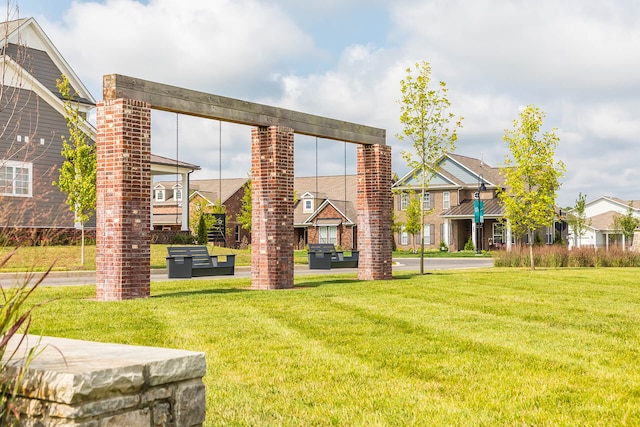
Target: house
(32, 112)
(450, 200)
(325, 211)
(600, 232)
(324, 208)
(168, 205)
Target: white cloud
(197, 44)
(575, 59)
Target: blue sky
(577, 60)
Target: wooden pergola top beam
(200, 104)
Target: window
(404, 236)
(429, 234)
(177, 193)
(159, 193)
(15, 179)
(426, 201)
(498, 233)
(308, 206)
(404, 201)
(237, 233)
(328, 234)
(446, 200)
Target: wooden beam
(200, 104)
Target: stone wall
(89, 384)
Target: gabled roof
(456, 171)
(340, 191)
(211, 189)
(27, 33)
(343, 216)
(603, 221)
(617, 201)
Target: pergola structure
(124, 181)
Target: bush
(555, 256)
(183, 239)
(469, 245)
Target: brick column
(123, 208)
(374, 212)
(272, 208)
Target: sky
(576, 60)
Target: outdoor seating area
(195, 261)
(324, 256)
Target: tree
(428, 126)
(578, 219)
(78, 172)
(626, 224)
(531, 176)
(201, 231)
(413, 217)
(244, 216)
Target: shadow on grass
(331, 281)
(200, 292)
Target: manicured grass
(467, 348)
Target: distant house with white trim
(600, 214)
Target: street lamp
(478, 213)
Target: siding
(37, 120)
(39, 64)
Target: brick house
(325, 211)
(168, 206)
(450, 199)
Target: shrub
(555, 256)
(469, 245)
(183, 239)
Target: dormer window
(177, 192)
(159, 193)
(307, 203)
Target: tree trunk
(533, 264)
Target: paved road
(71, 278)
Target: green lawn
(466, 348)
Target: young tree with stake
(429, 126)
(78, 172)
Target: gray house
(33, 121)
(32, 117)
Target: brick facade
(345, 237)
(272, 207)
(374, 212)
(123, 208)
